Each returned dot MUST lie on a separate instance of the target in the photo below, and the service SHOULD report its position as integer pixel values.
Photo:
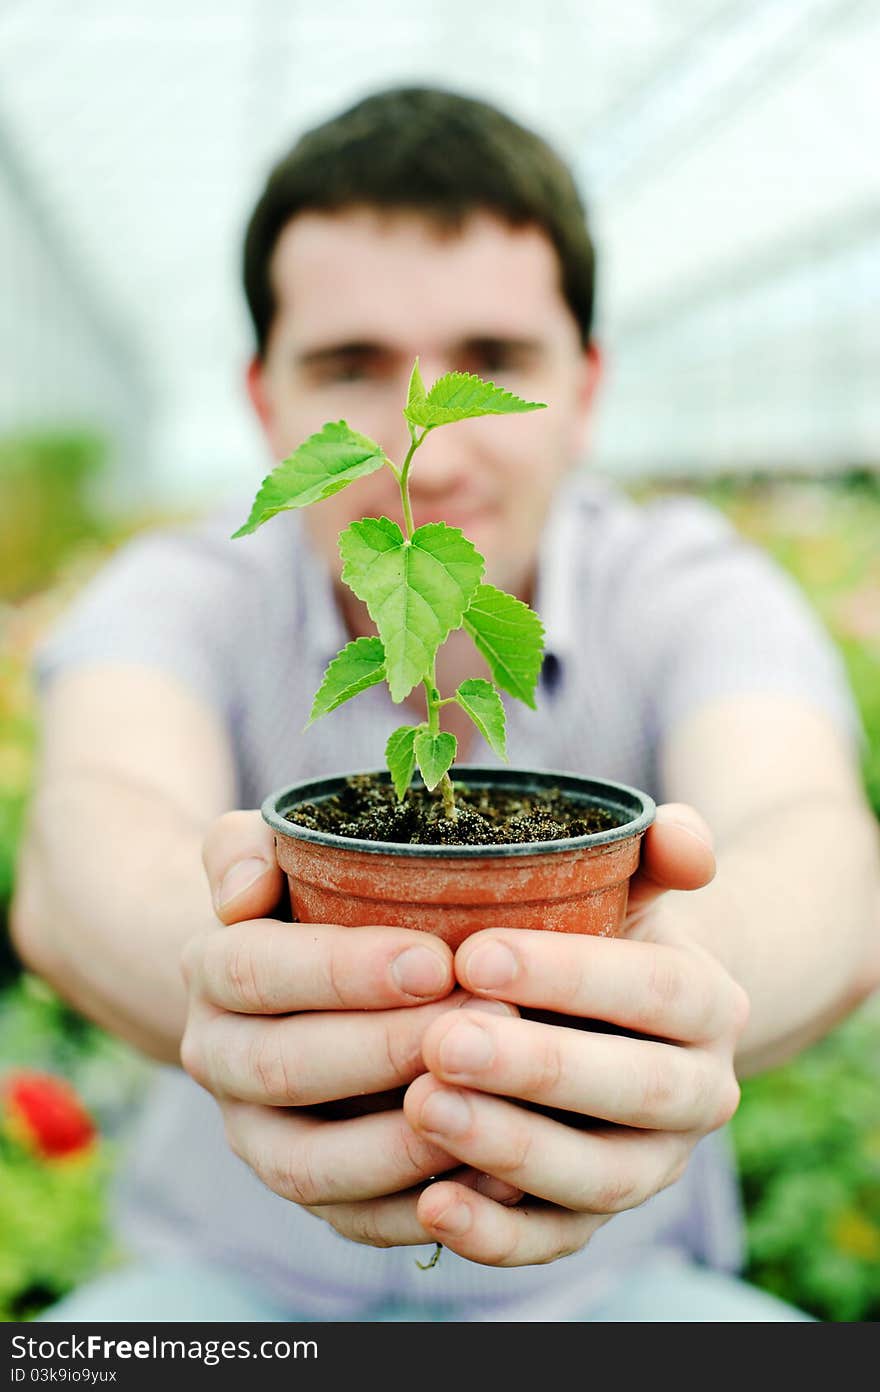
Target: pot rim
(606, 792)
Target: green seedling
(419, 585)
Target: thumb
(238, 854)
(677, 853)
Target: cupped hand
(625, 1108)
(284, 1016)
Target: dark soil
(368, 809)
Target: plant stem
(432, 695)
(403, 481)
(432, 699)
(448, 794)
(426, 1266)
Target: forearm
(794, 914)
(110, 885)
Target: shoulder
(645, 552)
(181, 597)
(206, 541)
(653, 527)
(192, 567)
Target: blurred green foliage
(807, 1135)
(807, 1138)
(54, 1228)
(48, 505)
(53, 1225)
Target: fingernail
(455, 1220)
(239, 878)
(467, 1046)
(446, 1113)
(491, 966)
(420, 972)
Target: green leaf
(416, 591)
(358, 665)
(485, 708)
(319, 467)
(511, 638)
(460, 396)
(400, 757)
(416, 392)
(435, 755)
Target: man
(421, 223)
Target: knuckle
(403, 1050)
(502, 1248)
(615, 1193)
(699, 1092)
(573, 1237)
(232, 1132)
(269, 1066)
(191, 957)
(338, 972)
(678, 1168)
(361, 1224)
(192, 1056)
(241, 973)
(741, 1009)
(548, 1070)
(658, 1090)
(290, 1175)
(410, 1156)
(513, 1158)
(573, 988)
(727, 1103)
(665, 981)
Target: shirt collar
(555, 581)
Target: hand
(288, 1015)
(663, 1087)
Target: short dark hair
(433, 152)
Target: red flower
(47, 1115)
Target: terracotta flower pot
(577, 885)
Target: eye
(349, 368)
(491, 358)
(343, 370)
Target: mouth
(465, 520)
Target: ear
(590, 373)
(255, 381)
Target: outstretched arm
(794, 910)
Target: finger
(677, 853)
(494, 1234)
(653, 988)
(632, 1082)
(314, 1162)
(267, 967)
(586, 1171)
(394, 1221)
(302, 1060)
(238, 854)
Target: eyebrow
(365, 348)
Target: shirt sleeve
(172, 600)
(718, 617)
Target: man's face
(359, 296)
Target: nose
(440, 465)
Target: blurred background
(728, 153)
